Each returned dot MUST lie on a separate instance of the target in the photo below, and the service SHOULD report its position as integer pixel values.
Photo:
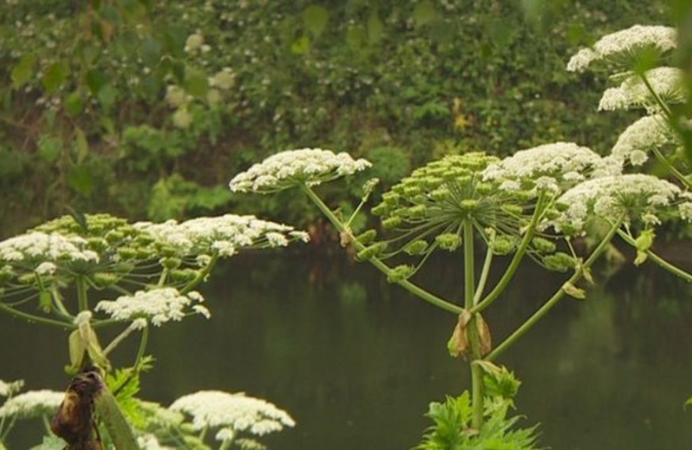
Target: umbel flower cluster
(109, 253)
(309, 166)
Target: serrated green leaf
(23, 71)
(196, 82)
(49, 443)
(315, 18)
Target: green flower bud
(504, 245)
(380, 210)
(469, 205)
(417, 247)
(114, 236)
(448, 241)
(391, 198)
(485, 188)
(543, 245)
(410, 191)
(27, 278)
(6, 274)
(183, 275)
(400, 273)
(167, 250)
(127, 252)
(391, 222)
(418, 211)
(372, 251)
(514, 210)
(97, 244)
(171, 263)
(440, 194)
(367, 237)
(559, 262)
(105, 278)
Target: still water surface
(356, 361)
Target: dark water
(356, 361)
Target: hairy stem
(552, 301)
(412, 288)
(474, 340)
(82, 299)
(38, 319)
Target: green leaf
(375, 28)
(79, 178)
(49, 443)
(82, 145)
(49, 148)
(424, 13)
(107, 96)
(688, 403)
(196, 82)
(23, 71)
(301, 46)
(315, 18)
(355, 37)
(55, 75)
(574, 291)
(76, 346)
(96, 80)
(74, 104)
(45, 301)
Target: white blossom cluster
(639, 138)
(631, 196)
(552, 167)
(623, 43)
(666, 82)
(225, 234)
(287, 169)
(32, 404)
(49, 248)
(157, 305)
(11, 388)
(149, 442)
(232, 413)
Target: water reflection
(356, 361)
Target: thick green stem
(412, 288)
(516, 259)
(671, 168)
(483, 279)
(142, 346)
(547, 306)
(658, 260)
(82, 300)
(38, 319)
(201, 275)
(118, 428)
(474, 340)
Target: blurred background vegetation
(146, 108)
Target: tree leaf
(82, 145)
(80, 179)
(315, 18)
(375, 28)
(196, 82)
(301, 46)
(23, 71)
(74, 104)
(96, 80)
(424, 13)
(55, 75)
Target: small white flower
(194, 42)
(640, 137)
(175, 96)
(11, 388)
(552, 167)
(294, 167)
(46, 268)
(632, 196)
(149, 442)
(233, 413)
(182, 118)
(159, 305)
(32, 404)
(633, 92)
(624, 43)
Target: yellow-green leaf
(315, 18)
(574, 291)
(23, 71)
(54, 76)
(375, 28)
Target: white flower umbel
(666, 82)
(232, 413)
(32, 404)
(157, 305)
(630, 197)
(552, 167)
(638, 139)
(284, 170)
(149, 442)
(36, 248)
(224, 235)
(625, 44)
(11, 388)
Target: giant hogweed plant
(86, 273)
(533, 204)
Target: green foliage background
(88, 119)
